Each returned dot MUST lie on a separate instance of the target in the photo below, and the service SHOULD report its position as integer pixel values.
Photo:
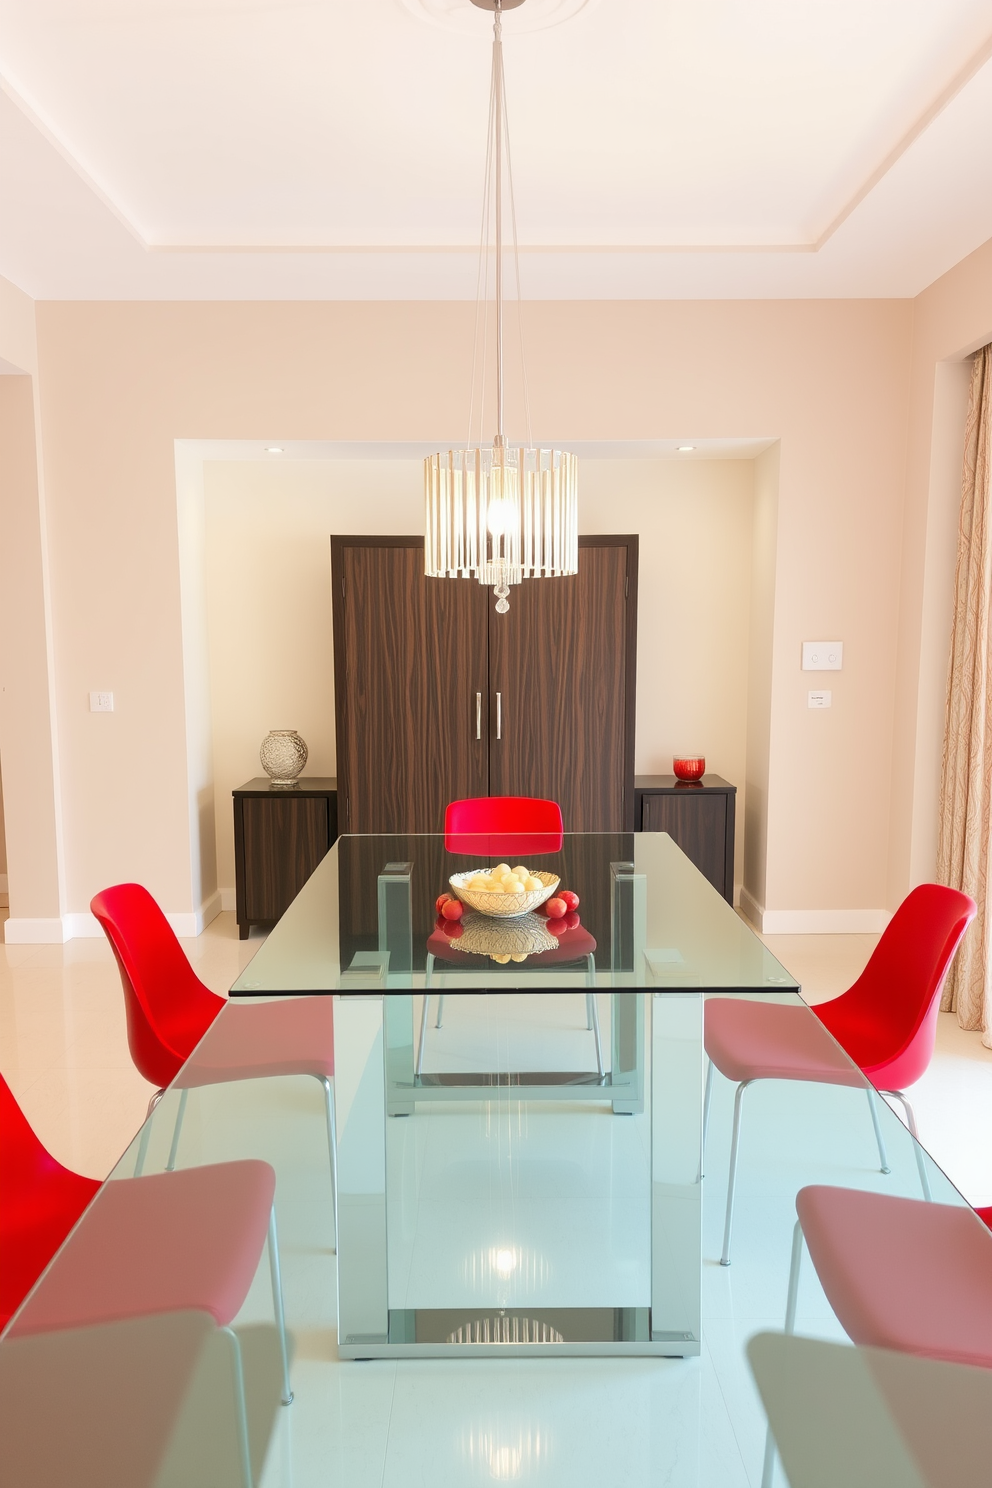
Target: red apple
(441, 900)
(571, 899)
(571, 919)
(557, 926)
(556, 909)
(452, 909)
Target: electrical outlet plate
(823, 656)
(101, 702)
(819, 699)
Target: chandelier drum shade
(500, 513)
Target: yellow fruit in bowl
(501, 870)
(532, 884)
(520, 871)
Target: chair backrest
(887, 1021)
(25, 1164)
(168, 1007)
(40, 1201)
(503, 814)
(498, 826)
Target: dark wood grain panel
(284, 840)
(697, 821)
(563, 659)
(410, 656)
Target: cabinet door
(561, 661)
(285, 839)
(698, 823)
(411, 685)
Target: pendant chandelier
(500, 513)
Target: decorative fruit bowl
(500, 905)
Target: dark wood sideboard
(700, 817)
(438, 698)
(280, 835)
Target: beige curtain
(966, 773)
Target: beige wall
(121, 382)
(269, 605)
(951, 319)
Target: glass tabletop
(646, 918)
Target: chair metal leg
(146, 1133)
(429, 969)
(440, 1009)
(244, 1446)
(732, 1181)
(332, 1147)
(792, 1300)
(592, 1016)
(921, 1162)
(183, 1098)
(591, 969)
(873, 1108)
(707, 1099)
(768, 1465)
(277, 1305)
(423, 1034)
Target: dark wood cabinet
(280, 835)
(437, 697)
(699, 817)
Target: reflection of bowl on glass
(502, 906)
(688, 767)
(516, 937)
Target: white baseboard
(750, 908)
(87, 926)
(814, 921)
(34, 932)
(228, 900)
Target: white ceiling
(334, 148)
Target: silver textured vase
(283, 755)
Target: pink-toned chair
(899, 1273)
(886, 1023)
(169, 1012)
(186, 1241)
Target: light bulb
(499, 517)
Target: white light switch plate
(819, 699)
(823, 656)
(101, 702)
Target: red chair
(512, 826)
(886, 1023)
(40, 1201)
(169, 1011)
(500, 825)
(172, 1242)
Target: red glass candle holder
(688, 767)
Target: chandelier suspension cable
(498, 92)
(516, 268)
(495, 512)
(482, 286)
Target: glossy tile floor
(551, 1422)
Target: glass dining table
(519, 1173)
(544, 1191)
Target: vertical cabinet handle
(499, 715)
(478, 715)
